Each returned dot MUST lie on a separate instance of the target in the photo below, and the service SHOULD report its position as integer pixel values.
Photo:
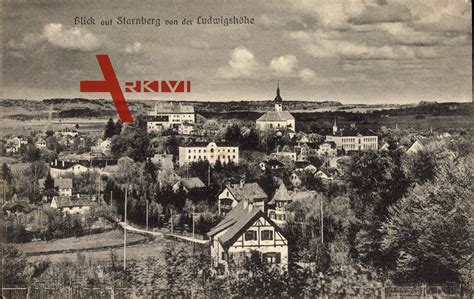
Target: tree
(428, 232)
(378, 182)
(110, 129)
(13, 267)
(49, 182)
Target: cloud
(70, 38)
(321, 44)
(29, 40)
(381, 13)
(241, 65)
(307, 75)
(134, 49)
(284, 64)
(59, 36)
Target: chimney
(250, 206)
(242, 183)
(246, 204)
(55, 162)
(63, 163)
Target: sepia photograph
(236, 149)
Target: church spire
(278, 100)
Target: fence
(392, 292)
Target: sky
(358, 51)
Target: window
(272, 257)
(267, 235)
(250, 235)
(224, 255)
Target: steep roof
(17, 205)
(192, 183)
(248, 191)
(281, 194)
(278, 99)
(240, 218)
(67, 202)
(276, 116)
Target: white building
(353, 139)
(60, 169)
(277, 119)
(247, 229)
(200, 151)
(170, 116)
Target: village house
(277, 207)
(353, 139)
(244, 230)
(63, 186)
(14, 144)
(327, 149)
(169, 116)
(272, 164)
(188, 184)
(284, 155)
(210, 151)
(277, 119)
(16, 206)
(418, 145)
(105, 146)
(70, 205)
(60, 169)
(232, 194)
(40, 143)
(186, 128)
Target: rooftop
(276, 116)
(173, 108)
(246, 191)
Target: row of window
(265, 235)
(211, 150)
(212, 157)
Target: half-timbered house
(244, 230)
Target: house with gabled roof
(277, 119)
(189, 184)
(70, 205)
(244, 230)
(233, 194)
(64, 186)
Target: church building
(278, 119)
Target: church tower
(334, 128)
(278, 100)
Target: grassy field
(111, 238)
(139, 252)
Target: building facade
(353, 139)
(170, 116)
(212, 152)
(277, 119)
(244, 230)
